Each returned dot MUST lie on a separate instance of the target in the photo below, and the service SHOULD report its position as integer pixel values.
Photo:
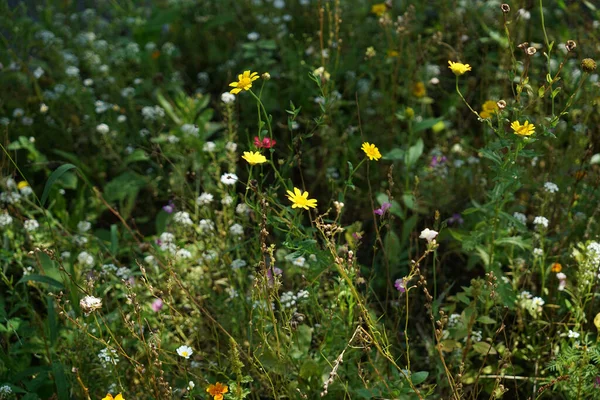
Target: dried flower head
(505, 8)
(588, 65)
(90, 304)
(570, 45)
(523, 45)
(531, 51)
(501, 104)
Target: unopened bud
(570, 45)
(505, 8)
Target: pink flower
(384, 207)
(400, 285)
(265, 143)
(157, 305)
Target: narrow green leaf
(42, 279)
(53, 177)
(114, 239)
(60, 380)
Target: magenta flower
(169, 208)
(384, 207)
(157, 305)
(400, 285)
(437, 160)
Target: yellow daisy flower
(526, 129)
(254, 157)
(244, 82)
(110, 397)
(371, 151)
(22, 184)
(217, 390)
(418, 89)
(379, 9)
(300, 199)
(490, 108)
(459, 68)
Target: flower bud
(588, 65)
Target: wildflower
(505, 8)
(254, 157)
(501, 104)
(236, 229)
(370, 52)
(206, 225)
(237, 264)
(244, 82)
(253, 36)
(526, 129)
(556, 267)
(31, 225)
(551, 187)
(379, 9)
(5, 219)
(231, 146)
(43, 108)
(182, 217)
(456, 218)
(458, 68)
(83, 226)
(209, 147)
(588, 65)
(531, 51)
(169, 208)
(191, 385)
(266, 76)
(572, 334)
(227, 200)
(428, 235)
(371, 151)
(183, 254)
(384, 207)
(265, 143)
(103, 129)
(85, 258)
(570, 45)
(110, 397)
(227, 98)
(190, 129)
(539, 220)
(204, 199)
(300, 199)
(90, 304)
(229, 179)
(217, 390)
(299, 261)
(538, 252)
(522, 218)
(490, 108)
(108, 356)
(185, 351)
(418, 89)
(400, 285)
(321, 73)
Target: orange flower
(556, 267)
(217, 390)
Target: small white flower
(236, 229)
(538, 301)
(550, 187)
(206, 225)
(72, 71)
(65, 255)
(230, 146)
(183, 218)
(102, 129)
(31, 225)
(539, 220)
(560, 276)
(522, 218)
(88, 82)
(84, 258)
(573, 334)
(229, 178)
(18, 113)
(428, 234)
(183, 253)
(227, 98)
(299, 262)
(5, 219)
(238, 263)
(242, 209)
(185, 351)
(190, 129)
(5, 390)
(83, 226)
(167, 237)
(209, 147)
(89, 304)
(253, 36)
(191, 386)
(121, 119)
(538, 252)
(204, 199)
(227, 200)
(44, 108)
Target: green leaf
(53, 177)
(137, 155)
(394, 154)
(42, 279)
(414, 152)
(114, 239)
(60, 380)
(392, 245)
(484, 319)
(419, 377)
(426, 124)
(484, 348)
(515, 241)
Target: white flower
(150, 260)
(72, 71)
(123, 273)
(65, 255)
(560, 276)
(152, 113)
(209, 147)
(18, 113)
(242, 208)
(539, 220)
(538, 301)
(538, 252)
(204, 199)
(89, 304)
(229, 178)
(121, 118)
(30, 225)
(172, 139)
(299, 262)
(183, 253)
(551, 187)
(522, 218)
(230, 146)
(84, 226)
(238, 263)
(80, 240)
(428, 234)
(523, 13)
(253, 36)
(190, 129)
(182, 217)
(84, 258)
(38, 72)
(206, 225)
(167, 237)
(88, 82)
(185, 351)
(227, 200)
(227, 98)
(5, 390)
(102, 129)
(191, 386)
(108, 356)
(573, 334)
(236, 229)
(5, 219)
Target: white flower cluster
(31, 225)
(522, 218)
(550, 187)
(167, 242)
(90, 304)
(289, 299)
(238, 263)
(539, 220)
(5, 390)
(204, 199)
(190, 130)
(152, 113)
(123, 273)
(236, 230)
(537, 252)
(5, 220)
(85, 259)
(534, 305)
(108, 356)
(453, 320)
(206, 225)
(183, 218)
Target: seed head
(523, 45)
(570, 45)
(501, 104)
(505, 8)
(588, 65)
(530, 51)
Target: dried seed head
(523, 45)
(501, 104)
(505, 8)
(588, 65)
(531, 51)
(570, 45)
(266, 76)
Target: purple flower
(400, 285)
(157, 305)
(357, 236)
(273, 271)
(456, 219)
(384, 207)
(169, 208)
(437, 160)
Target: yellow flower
(379, 9)
(217, 390)
(392, 53)
(301, 199)
(418, 89)
(254, 157)
(22, 184)
(244, 82)
(110, 397)
(556, 267)
(490, 108)
(371, 151)
(526, 129)
(459, 68)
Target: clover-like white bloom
(573, 334)
(90, 304)
(229, 178)
(185, 351)
(428, 234)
